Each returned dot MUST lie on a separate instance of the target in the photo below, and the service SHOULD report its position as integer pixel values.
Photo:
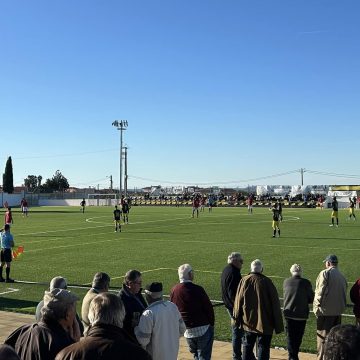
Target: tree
(57, 183)
(31, 182)
(8, 178)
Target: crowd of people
(136, 325)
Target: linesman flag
(17, 251)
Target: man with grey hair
(105, 338)
(160, 325)
(257, 311)
(329, 300)
(57, 329)
(58, 282)
(100, 284)
(298, 294)
(230, 279)
(197, 312)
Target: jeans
(295, 332)
(236, 335)
(201, 347)
(264, 342)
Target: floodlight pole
(121, 126)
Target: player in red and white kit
(195, 206)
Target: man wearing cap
(58, 282)
(105, 338)
(230, 279)
(100, 283)
(160, 325)
(298, 294)
(329, 300)
(57, 329)
(257, 311)
(197, 312)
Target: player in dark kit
(83, 204)
(125, 211)
(275, 218)
(117, 219)
(334, 213)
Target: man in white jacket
(329, 300)
(160, 325)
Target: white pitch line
(11, 290)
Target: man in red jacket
(197, 312)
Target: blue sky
(215, 92)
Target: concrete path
(9, 321)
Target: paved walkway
(9, 321)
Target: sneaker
(2, 279)
(273, 236)
(337, 225)
(9, 280)
(331, 225)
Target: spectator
(197, 312)
(57, 329)
(298, 294)
(355, 298)
(105, 338)
(8, 353)
(257, 311)
(342, 343)
(329, 301)
(160, 325)
(230, 279)
(133, 301)
(100, 283)
(58, 282)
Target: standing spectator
(257, 311)
(58, 282)
(343, 343)
(117, 219)
(355, 298)
(105, 339)
(57, 329)
(298, 294)
(82, 204)
(100, 284)
(329, 301)
(197, 312)
(7, 242)
(133, 301)
(160, 325)
(230, 279)
(335, 212)
(8, 217)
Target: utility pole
(121, 125)
(111, 183)
(126, 174)
(302, 176)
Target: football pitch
(64, 241)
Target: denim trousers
(236, 335)
(201, 347)
(264, 342)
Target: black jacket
(230, 279)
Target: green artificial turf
(64, 241)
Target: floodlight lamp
(115, 123)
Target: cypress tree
(8, 179)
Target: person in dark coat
(230, 279)
(105, 338)
(57, 329)
(298, 294)
(133, 300)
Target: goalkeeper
(7, 242)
